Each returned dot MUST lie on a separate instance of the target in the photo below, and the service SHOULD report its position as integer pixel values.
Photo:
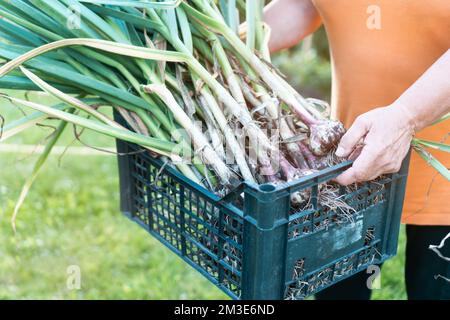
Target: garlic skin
(324, 135)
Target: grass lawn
(71, 217)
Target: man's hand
(383, 137)
(385, 133)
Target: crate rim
(276, 193)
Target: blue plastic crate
(251, 244)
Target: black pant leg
(422, 264)
(352, 288)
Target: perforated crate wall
(252, 244)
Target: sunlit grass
(72, 218)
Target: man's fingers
(347, 177)
(348, 142)
(364, 168)
(355, 153)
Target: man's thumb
(349, 141)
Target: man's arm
(386, 132)
(290, 21)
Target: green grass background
(71, 217)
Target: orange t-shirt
(379, 49)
